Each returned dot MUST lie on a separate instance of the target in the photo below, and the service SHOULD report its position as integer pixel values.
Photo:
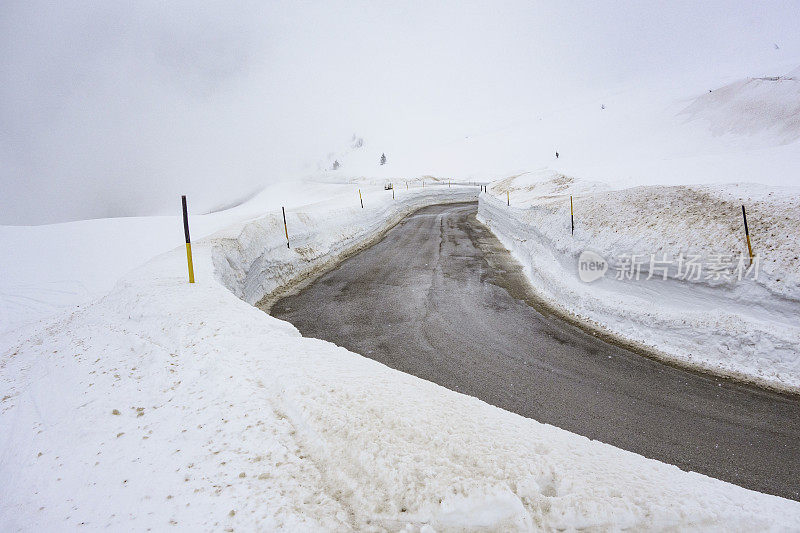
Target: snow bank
(166, 403)
(252, 259)
(746, 328)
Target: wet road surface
(439, 297)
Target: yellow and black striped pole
(747, 235)
(508, 198)
(360, 199)
(285, 229)
(188, 241)
(571, 215)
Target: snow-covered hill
(767, 109)
(640, 133)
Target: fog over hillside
(116, 109)
(768, 106)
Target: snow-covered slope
(670, 131)
(52, 267)
(748, 328)
(766, 108)
(169, 404)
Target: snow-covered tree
(383, 159)
(335, 164)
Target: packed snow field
(721, 315)
(164, 403)
(52, 267)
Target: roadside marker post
(285, 228)
(747, 235)
(392, 192)
(360, 199)
(571, 215)
(508, 198)
(188, 240)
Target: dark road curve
(434, 299)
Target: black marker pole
(188, 241)
(747, 235)
(571, 215)
(285, 229)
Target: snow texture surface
(768, 107)
(748, 328)
(164, 403)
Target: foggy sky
(115, 108)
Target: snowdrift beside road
(168, 404)
(748, 328)
(252, 259)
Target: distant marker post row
(361, 200)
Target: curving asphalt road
(439, 297)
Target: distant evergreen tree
(335, 164)
(383, 159)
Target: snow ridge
(768, 107)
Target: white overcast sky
(114, 108)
